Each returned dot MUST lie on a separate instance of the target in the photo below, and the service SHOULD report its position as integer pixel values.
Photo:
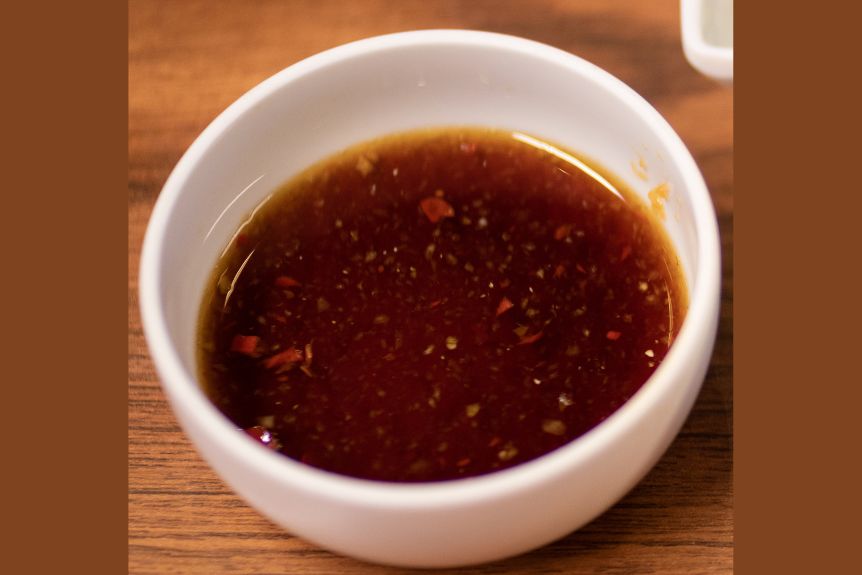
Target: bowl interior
(346, 96)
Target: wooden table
(189, 60)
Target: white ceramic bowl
(707, 37)
(383, 85)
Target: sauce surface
(436, 305)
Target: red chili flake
(505, 283)
(463, 462)
(528, 339)
(627, 251)
(559, 271)
(613, 335)
(505, 305)
(242, 240)
(380, 269)
(286, 281)
(495, 441)
(435, 209)
(468, 147)
(286, 357)
(244, 344)
(262, 435)
(562, 232)
(435, 303)
(580, 268)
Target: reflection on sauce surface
(437, 305)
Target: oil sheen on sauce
(436, 305)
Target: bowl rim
(181, 387)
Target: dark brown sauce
(437, 305)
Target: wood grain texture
(188, 60)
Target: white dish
(707, 36)
(388, 84)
